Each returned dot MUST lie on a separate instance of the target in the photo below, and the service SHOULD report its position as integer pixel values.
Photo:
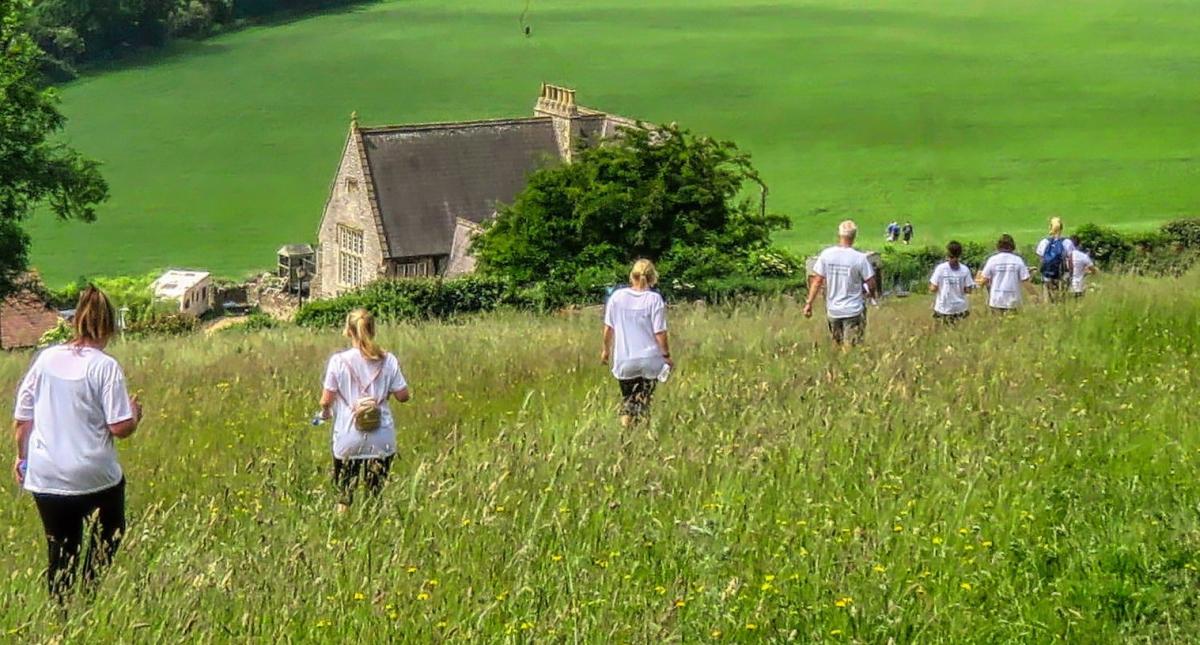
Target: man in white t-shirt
(1081, 266)
(842, 271)
(1005, 275)
(951, 281)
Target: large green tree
(35, 169)
(691, 203)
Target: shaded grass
(1009, 480)
(969, 118)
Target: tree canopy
(688, 202)
(35, 170)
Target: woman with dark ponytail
(71, 406)
(358, 383)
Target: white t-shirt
(1080, 262)
(72, 394)
(1068, 246)
(845, 271)
(952, 286)
(1006, 271)
(635, 317)
(380, 379)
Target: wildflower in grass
(751, 626)
(766, 586)
(432, 582)
(898, 529)
(323, 623)
(716, 633)
(502, 596)
(423, 596)
(962, 531)
(556, 557)
(966, 586)
(526, 626)
(879, 568)
(660, 590)
(843, 602)
(987, 544)
(411, 569)
(680, 603)
(937, 539)
(441, 624)
(466, 521)
(835, 632)
(358, 595)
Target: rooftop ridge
(452, 125)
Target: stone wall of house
(349, 204)
(461, 262)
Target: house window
(350, 256)
(418, 269)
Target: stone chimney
(558, 103)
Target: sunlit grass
(1009, 480)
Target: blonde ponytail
(643, 275)
(360, 329)
(95, 320)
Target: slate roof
(424, 176)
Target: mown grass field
(1011, 480)
(970, 118)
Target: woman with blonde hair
(358, 383)
(1054, 256)
(71, 405)
(635, 338)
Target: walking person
(908, 232)
(843, 272)
(1054, 255)
(893, 231)
(1005, 275)
(71, 406)
(635, 341)
(1081, 266)
(358, 383)
(951, 281)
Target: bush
(256, 321)
(414, 299)
(1183, 232)
(57, 335)
(172, 323)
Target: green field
(968, 117)
(1030, 479)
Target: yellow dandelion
(432, 582)
(680, 603)
(966, 586)
(962, 531)
(358, 595)
(556, 557)
(769, 578)
(937, 539)
(411, 569)
(987, 544)
(751, 626)
(526, 626)
(660, 590)
(423, 596)
(843, 602)
(898, 529)
(716, 633)
(766, 586)
(441, 624)
(879, 568)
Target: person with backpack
(1054, 254)
(1005, 275)
(908, 232)
(1081, 266)
(848, 279)
(72, 405)
(635, 341)
(358, 383)
(951, 281)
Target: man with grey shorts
(843, 271)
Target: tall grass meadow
(1020, 479)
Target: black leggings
(63, 517)
(347, 472)
(635, 397)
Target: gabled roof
(425, 176)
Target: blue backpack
(1054, 260)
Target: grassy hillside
(967, 117)
(1010, 480)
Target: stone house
(407, 199)
(25, 315)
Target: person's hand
(604, 356)
(808, 310)
(136, 406)
(670, 361)
(19, 471)
(326, 414)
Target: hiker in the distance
(635, 341)
(908, 232)
(1005, 276)
(1054, 256)
(893, 231)
(71, 406)
(842, 271)
(951, 281)
(1081, 267)
(358, 383)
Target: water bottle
(318, 418)
(665, 373)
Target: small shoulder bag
(366, 409)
